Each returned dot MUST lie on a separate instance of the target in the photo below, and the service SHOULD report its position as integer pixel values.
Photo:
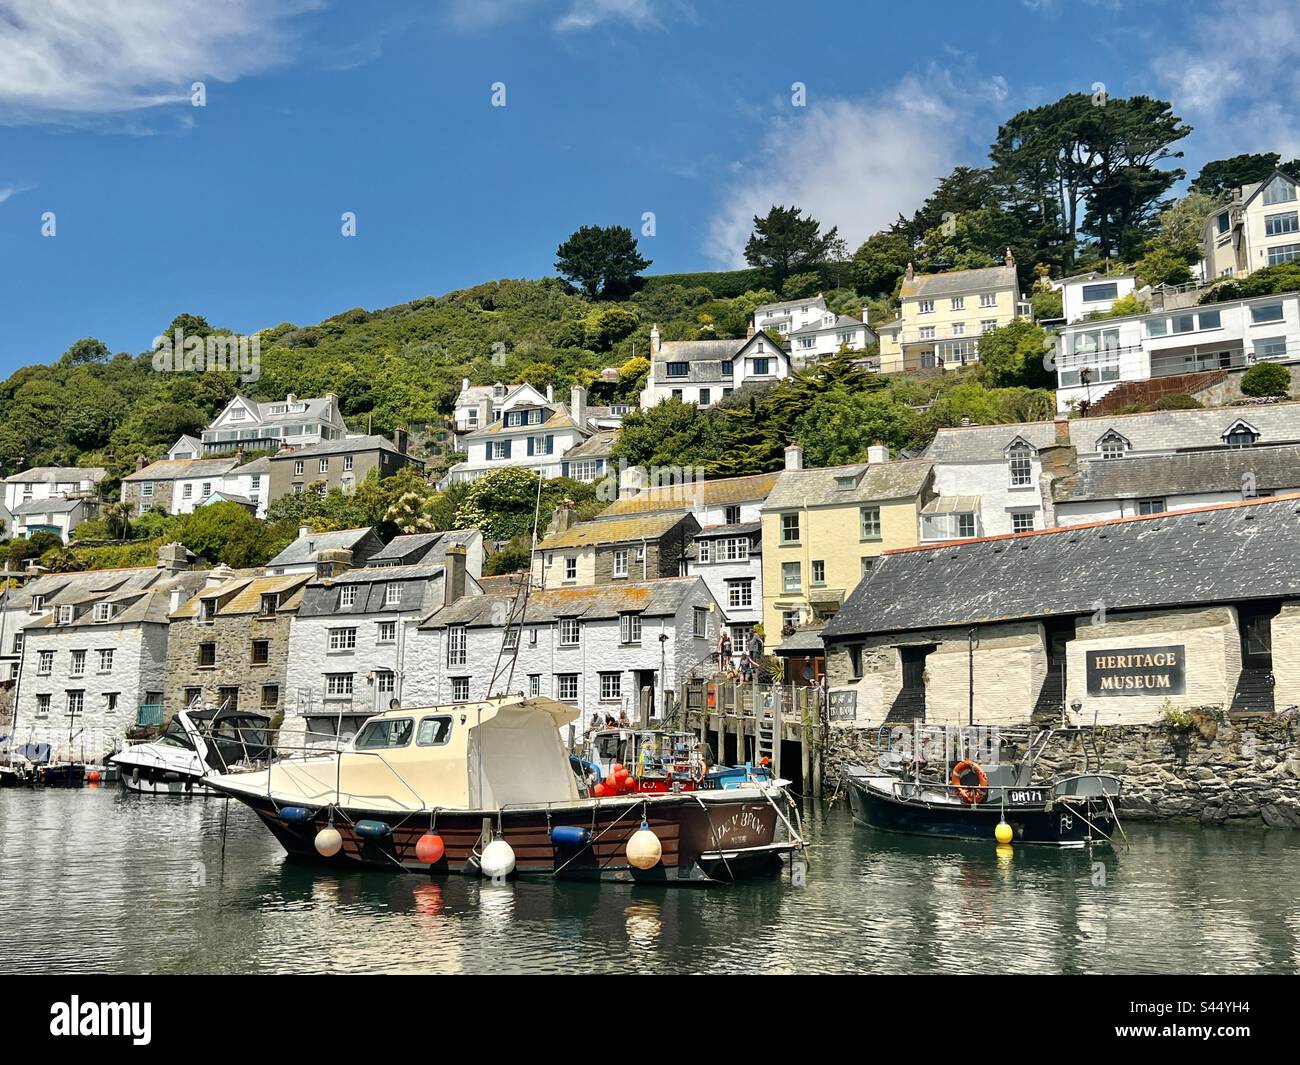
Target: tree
(1268, 281)
(1266, 379)
(86, 350)
(1219, 178)
(1013, 355)
(785, 243)
(228, 532)
(1160, 266)
(601, 260)
(840, 426)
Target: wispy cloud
(1237, 76)
(575, 16)
(8, 191)
(856, 164)
(64, 58)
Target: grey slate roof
(783, 305)
(261, 464)
(421, 590)
(698, 350)
(52, 505)
(657, 598)
(428, 548)
(347, 445)
(596, 446)
(959, 282)
(1176, 430)
(138, 599)
(744, 528)
(842, 321)
(306, 548)
(178, 469)
(53, 474)
(1274, 469)
(1207, 555)
(987, 443)
(832, 485)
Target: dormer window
(1241, 434)
(1112, 446)
(1020, 458)
(270, 603)
(103, 611)
(66, 614)
(38, 604)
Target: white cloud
(61, 58)
(577, 15)
(1237, 77)
(584, 14)
(856, 164)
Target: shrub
(1266, 379)
(1178, 402)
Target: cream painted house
(823, 530)
(941, 316)
(1258, 227)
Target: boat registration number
(1030, 795)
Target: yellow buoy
(1003, 833)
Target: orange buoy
(972, 791)
(599, 791)
(429, 848)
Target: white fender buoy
(498, 859)
(328, 842)
(644, 849)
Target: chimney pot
(654, 340)
(304, 530)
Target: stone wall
(233, 635)
(1206, 768)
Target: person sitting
(610, 722)
(623, 721)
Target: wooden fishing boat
(486, 789)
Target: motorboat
(197, 741)
(487, 789)
(988, 800)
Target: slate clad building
(1127, 618)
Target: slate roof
(561, 418)
(597, 446)
(60, 588)
(421, 589)
(43, 474)
(50, 505)
(316, 408)
(139, 600)
(802, 641)
(811, 301)
(261, 464)
(842, 321)
(177, 469)
(400, 547)
(699, 350)
(1235, 551)
(959, 282)
(243, 595)
(724, 491)
(307, 548)
(657, 598)
(613, 531)
(1274, 469)
(346, 445)
(744, 528)
(987, 443)
(1175, 430)
(861, 483)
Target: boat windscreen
(384, 732)
(176, 736)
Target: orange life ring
(972, 795)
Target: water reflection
(100, 880)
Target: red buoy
(599, 791)
(429, 848)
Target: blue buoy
(296, 815)
(570, 836)
(372, 829)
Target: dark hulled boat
(440, 789)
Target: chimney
(484, 413)
(794, 457)
(141, 462)
(909, 273)
(174, 558)
(291, 399)
(561, 520)
(217, 576)
(176, 599)
(1011, 259)
(654, 340)
(464, 384)
(453, 574)
(399, 440)
(333, 562)
(630, 481)
(866, 315)
(877, 454)
(1063, 431)
(749, 332)
(304, 530)
(550, 393)
(578, 404)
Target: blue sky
(613, 108)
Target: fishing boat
(487, 789)
(661, 760)
(982, 801)
(197, 741)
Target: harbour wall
(1200, 766)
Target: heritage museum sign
(1137, 671)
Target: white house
(828, 335)
(603, 649)
(349, 642)
(94, 653)
(250, 483)
(705, 371)
(1134, 464)
(789, 316)
(478, 406)
(312, 550)
(54, 499)
(1092, 293)
(531, 430)
(175, 485)
(1093, 358)
(989, 480)
(727, 550)
(1258, 227)
(267, 426)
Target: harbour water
(97, 880)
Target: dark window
(207, 654)
(261, 652)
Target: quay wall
(1205, 767)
